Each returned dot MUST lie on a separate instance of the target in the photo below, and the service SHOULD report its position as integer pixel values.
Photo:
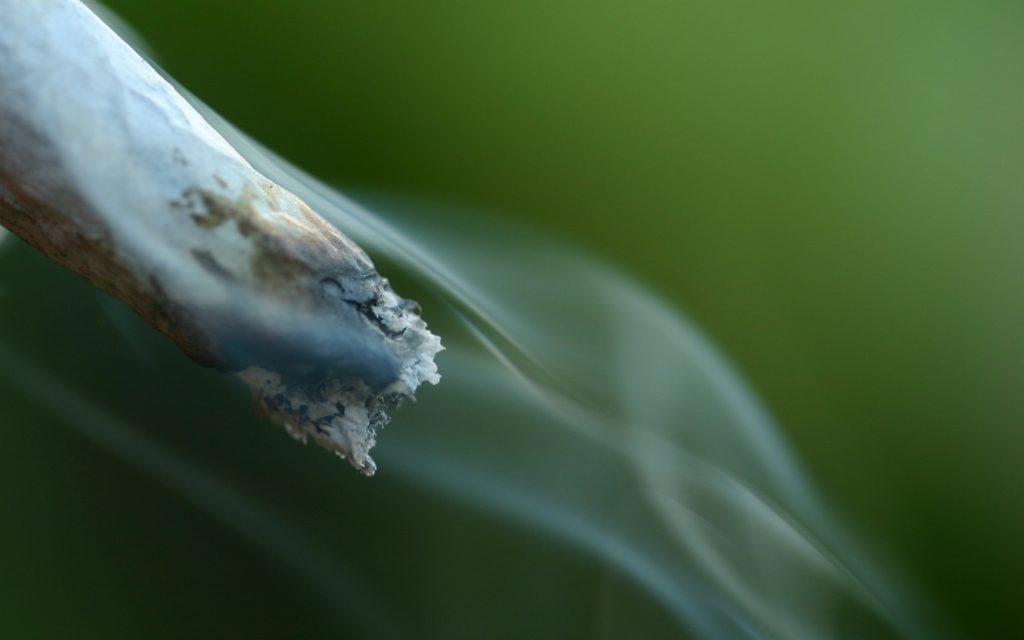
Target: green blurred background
(831, 190)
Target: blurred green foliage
(831, 189)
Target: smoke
(576, 406)
(577, 403)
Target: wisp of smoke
(577, 405)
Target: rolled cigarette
(109, 171)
